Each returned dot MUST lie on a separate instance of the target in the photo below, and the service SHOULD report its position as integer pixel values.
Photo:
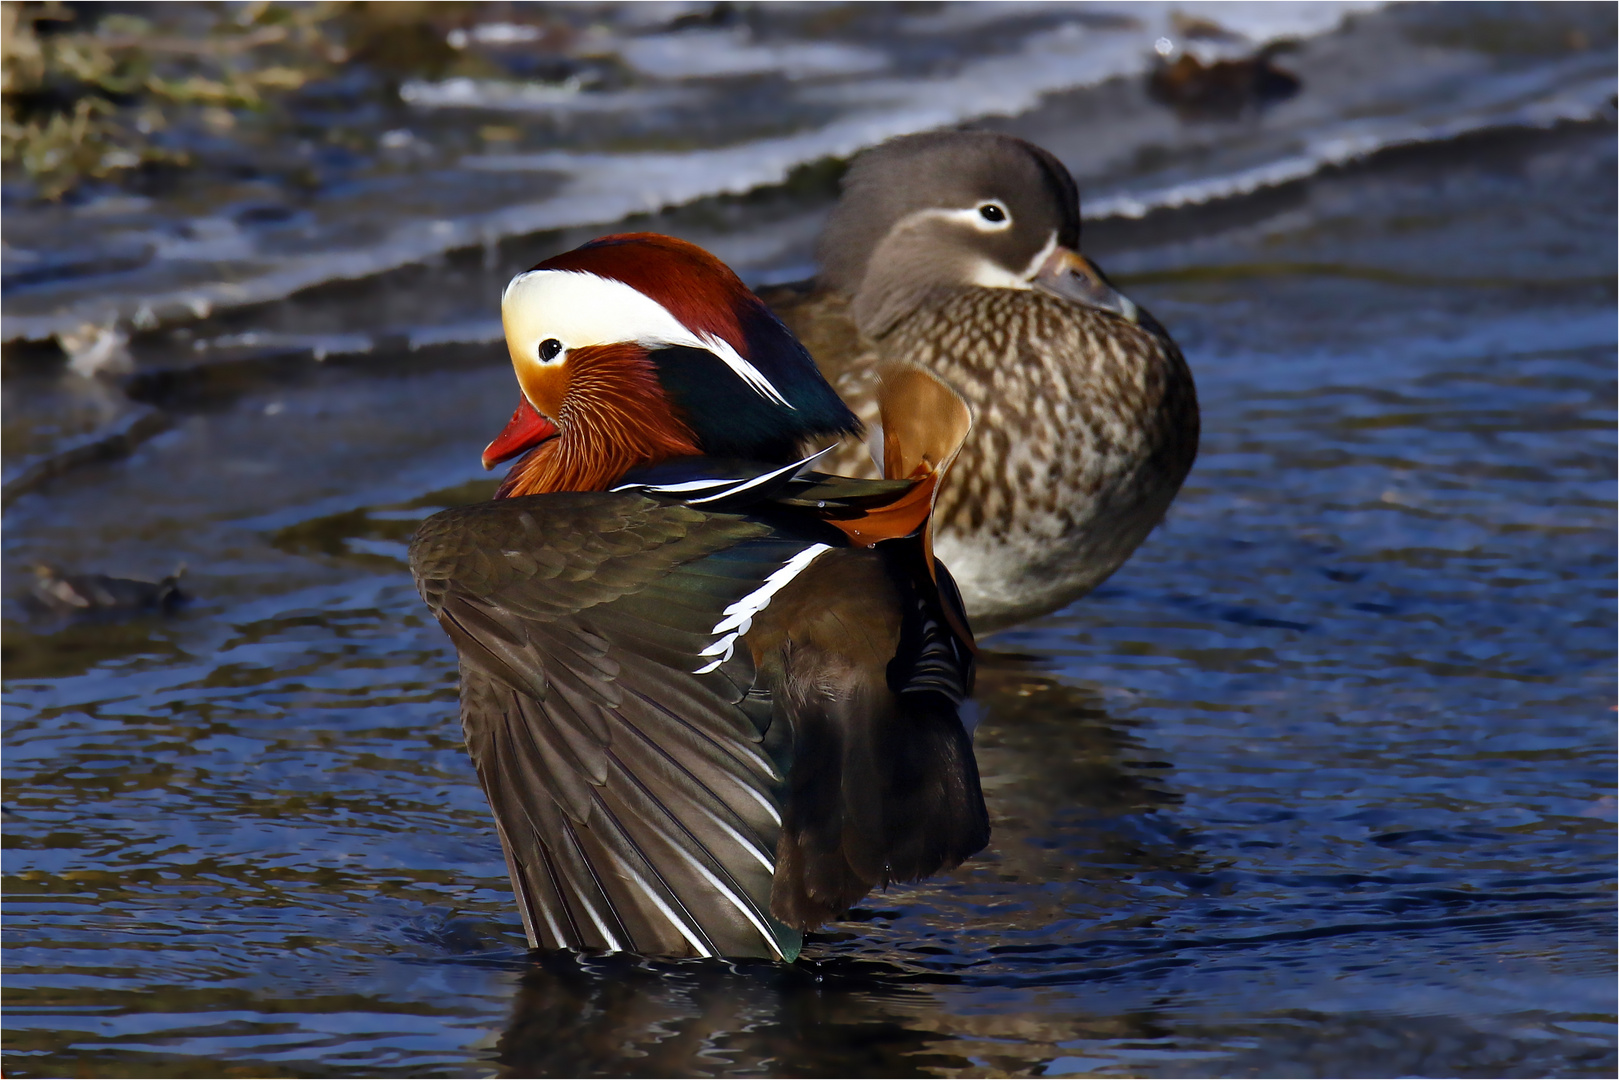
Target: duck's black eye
(549, 348)
(992, 212)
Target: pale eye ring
(549, 348)
(993, 212)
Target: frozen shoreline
(122, 265)
(201, 264)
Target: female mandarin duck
(712, 697)
(956, 252)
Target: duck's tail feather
(875, 801)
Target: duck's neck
(904, 274)
(615, 417)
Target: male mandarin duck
(712, 696)
(957, 252)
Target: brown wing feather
(636, 805)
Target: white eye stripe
(972, 215)
(581, 309)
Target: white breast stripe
(579, 308)
(738, 618)
(676, 489)
(764, 478)
(712, 490)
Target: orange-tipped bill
(526, 430)
(1070, 275)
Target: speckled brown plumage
(957, 252)
(1084, 427)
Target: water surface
(1320, 783)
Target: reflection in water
(1065, 787)
(620, 1016)
(1080, 809)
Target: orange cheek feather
(616, 417)
(545, 385)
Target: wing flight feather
(635, 800)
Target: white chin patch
(991, 275)
(581, 309)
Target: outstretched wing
(614, 724)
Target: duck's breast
(1084, 427)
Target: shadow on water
(59, 648)
(375, 537)
(1068, 785)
